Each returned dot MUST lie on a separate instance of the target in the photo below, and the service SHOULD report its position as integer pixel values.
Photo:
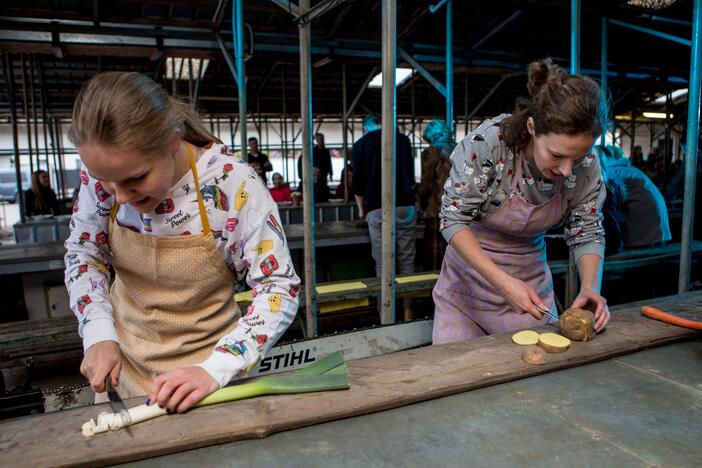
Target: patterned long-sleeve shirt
(249, 237)
(483, 167)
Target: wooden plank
(377, 383)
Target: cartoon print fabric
(248, 235)
(480, 180)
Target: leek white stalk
(329, 373)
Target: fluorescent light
(180, 68)
(674, 95)
(656, 115)
(652, 4)
(401, 75)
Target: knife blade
(544, 311)
(116, 402)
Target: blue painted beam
(652, 32)
(691, 151)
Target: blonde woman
(181, 220)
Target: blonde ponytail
(131, 112)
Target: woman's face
(140, 181)
(44, 179)
(555, 153)
(278, 180)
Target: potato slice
(553, 342)
(578, 324)
(526, 337)
(534, 355)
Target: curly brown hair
(558, 103)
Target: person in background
(320, 190)
(611, 210)
(436, 167)
(512, 179)
(346, 183)
(256, 156)
(321, 159)
(637, 157)
(367, 166)
(644, 214)
(40, 199)
(280, 191)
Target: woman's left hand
(180, 389)
(589, 299)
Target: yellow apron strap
(113, 212)
(203, 212)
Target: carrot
(658, 314)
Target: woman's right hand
(522, 298)
(102, 359)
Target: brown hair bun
(540, 73)
(560, 103)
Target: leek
(329, 373)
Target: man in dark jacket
(260, 158)
(367, 162)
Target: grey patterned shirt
(481, 175)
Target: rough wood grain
(378, 383)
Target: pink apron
(467, 305)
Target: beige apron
(173, 299)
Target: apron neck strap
(519, 160)
(206, 229)
(203, 212)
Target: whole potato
(578, 324)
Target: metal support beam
(572, 277)
(344, 132)
(290, 7)
(574, 36)
(318, 10)
(96, 12)
(491, 92)
(219, 14)
(691, 152)
(388, 133)
(434, 8)
(422, 71)
(58, 170)
(284, 123)
(449, 64)
(7, 70)
(26, 114)
(497, 29)
(663, 19)
(465, 101)
(33, 101)
(308, 179)
(603, 70)
(56, 44)
(196, 94)
(43, 105)
(652, 32)
(238, 38)
(360, 92)
(227, 57)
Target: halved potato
(526, 337)
(553, 342)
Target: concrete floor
(644, 409)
